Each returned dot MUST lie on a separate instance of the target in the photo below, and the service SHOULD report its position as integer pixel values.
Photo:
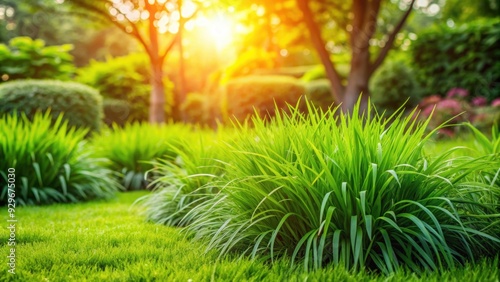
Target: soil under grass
(110, 241)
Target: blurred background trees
(396, 50)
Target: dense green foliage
(261, 94)
(51, 162)
(81, 105)
(351, 191)
(318, 72)
(466, 56)
(28, 58)
(393, 85)
(124, 78)
(132, 149)
(110, 241)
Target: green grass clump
(133, 148)
(51, 162)
(110, 241)
(351, 191)
(186, 182)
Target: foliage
(350, 190)
(132, 149)
(490, 146)
(81, 105)
(393, 85)
(124, 78)
(319, 93)
(296, 71)
(186, 182)
(467, 56)
(457, 106)
(99, 241)
(51, 162)
(250, 94)
(28, 58)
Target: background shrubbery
(467, 56)
(393, 85)
(52, 164)
(28, 58)
(81, 105)
(261, 93)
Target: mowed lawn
(111, 241)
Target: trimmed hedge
(467, 56)
(261, 93)
(81, 105)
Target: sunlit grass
(132, 149)
(109, 241)
(357, 192)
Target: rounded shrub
(261, 94)
(355, 191)
(393, 85)
(49, 162)
(80, 104)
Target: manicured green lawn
(110, 241)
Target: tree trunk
(320, 46)
(357, 84)
(157, 99)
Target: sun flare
(220, 29)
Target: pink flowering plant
(456, 107)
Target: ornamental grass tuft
(355, 191)
(132, 149)
(50, 161)
(186, 181)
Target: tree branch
(176, 38)
(320, 46)
(390, 41)
(169, 47)
(109, 18)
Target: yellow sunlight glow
(220, 30)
